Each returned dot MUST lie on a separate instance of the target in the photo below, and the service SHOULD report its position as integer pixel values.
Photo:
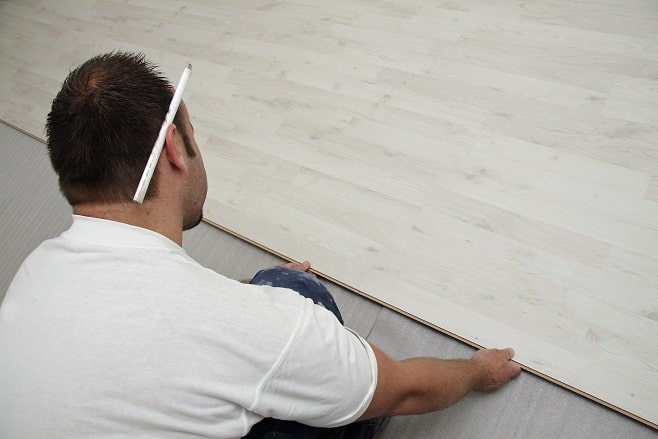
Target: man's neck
(148, 216)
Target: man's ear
(173, 150)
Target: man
(112, 329)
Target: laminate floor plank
(488, 168)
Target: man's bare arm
(420, 385)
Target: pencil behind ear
(159, 143)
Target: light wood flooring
(487, 167)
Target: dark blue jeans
(268, 428)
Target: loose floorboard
(489, 168)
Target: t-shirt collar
(113, 233)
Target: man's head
(103, 124)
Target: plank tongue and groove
(489, 168)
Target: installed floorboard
(488, 168)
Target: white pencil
(159, 142)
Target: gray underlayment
(32, 209)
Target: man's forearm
(436, 384)
(420, 385)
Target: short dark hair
(103, 124)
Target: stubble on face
(197, 187)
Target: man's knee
(301, 282)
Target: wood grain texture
(490, 168)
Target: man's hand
(299, 266)
(496, 368)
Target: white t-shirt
(113, 330)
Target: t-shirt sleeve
(325, 377)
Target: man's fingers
(515, 369)
(299, 266)
(498, 368)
